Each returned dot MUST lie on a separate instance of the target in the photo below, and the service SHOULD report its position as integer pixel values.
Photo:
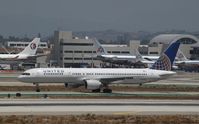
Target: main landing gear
(37, 87)
(106, 90)
(96, 90)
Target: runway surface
(97, 106)
(146, 94)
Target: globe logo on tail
(33, 46)
(163, 63)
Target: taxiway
(97, 106)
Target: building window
(12, 44)
(125, 52)
(115, 51)
(153, 52)
(42, 45)
(66, 58)
(187, 41)
(78, 51)
(87, 58)
(78, 58)
(87, 51)
(68, 51)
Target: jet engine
(92, 84)
(72, 85)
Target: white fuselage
(187, 62)
(79, 75)
(130, 58)
(14, 56)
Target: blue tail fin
(166, 60)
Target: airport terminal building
(69, 51)
(189, 44)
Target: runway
(109, 106)
(116, 94)
(97, 106)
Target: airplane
(96, 79)
(182, 59)
(150, 62)
(28, 52)
(103, 55)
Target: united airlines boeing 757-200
(28, 52)
(96, 79)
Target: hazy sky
(19, 17)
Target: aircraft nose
(167, 74)
(22, 78)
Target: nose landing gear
(37, 87)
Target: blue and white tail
(32, 47)
(166, 60)
(100, 50)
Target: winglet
(166, 60)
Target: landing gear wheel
(37, 87)
(37, 90)
(107, 91)
(96, 90)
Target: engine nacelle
(92, 84)
(72, 85)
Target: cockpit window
(26, 74)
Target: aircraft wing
(109, 80)
(39, 55)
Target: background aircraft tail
(8, 52)
(32, 47)
(99, 48)
(138, 56)
(181, 56)
(166, 60)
